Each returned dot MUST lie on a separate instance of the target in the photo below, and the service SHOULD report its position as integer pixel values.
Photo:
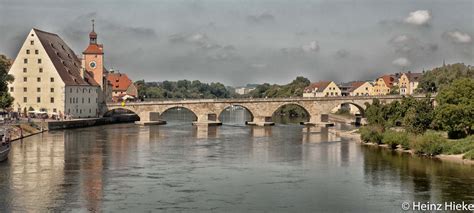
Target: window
(89, 100)
(11, 89)
(32, 42)
(32, 35)
(27, 51)
(24, 99)
(68, 111)
(52, 100)
(52, 79)
(25, 89)
(80, 111)
(36, 52)
(70, 90)
(40, 70)
(25, 61)
(38, 99)
(82, 100)
(52, 89)
(24, 69)
(89, 90)
(39, 60)
(25, 79)
(70, 100)
(90, 110)
(54, 110)
(38, 89)
(38, 79)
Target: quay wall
(78, 123)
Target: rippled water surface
(179, 167)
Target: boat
(4, 145)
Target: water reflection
(180, 167)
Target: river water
(231, 168)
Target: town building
(357, 88)
(49, 79)
(322, 89)
(123, 87)
(244, 90)
(384, 84)
(408, 82)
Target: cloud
(313, 46)
(342, 53)
(261, 18)
(408, 44)
(419, 17)
(458, 37)
(402, 62)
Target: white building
(49, 78)
(243, 90)
(322, 89)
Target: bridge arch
(233, 106)
(178, 108)
(358, 106)
(305, 109)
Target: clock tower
(93, 59)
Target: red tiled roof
(94, 49)
(119, 81)
(389, 80)
(320, 86)
(64, 60)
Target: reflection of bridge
(207, 111)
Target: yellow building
(408, 82)
(357, 88)
(384, 84)
(322, 89)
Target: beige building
(408, 82)
(357, 88)
(122, 86)
(384, 84)
(322, 89)
(49, 79)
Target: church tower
(93, 59)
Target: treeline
(6, 100)
(437, 78)
(422, 122)
(182, 89)
(293, 89)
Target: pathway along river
(178, 167)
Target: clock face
(92, 64)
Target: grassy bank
(428, 144)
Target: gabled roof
(413, 77)
(389, 80)
(355, 85)
(64, 60)
(319, 86)
(119, 81)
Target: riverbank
(355, 136)
(20, 131)
(88, 122)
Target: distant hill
(440, 77)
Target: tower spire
(93, 35)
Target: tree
(455, 111)
(434, 80)
(419, 117)
(6, 99)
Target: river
(231, 168)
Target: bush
(371, 134)
(469, 155)
(461, 146)
(429, 144)
(393, 138)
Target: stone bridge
(207, 111)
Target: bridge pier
(319, 120)
(207, 119)
(150, 118)
(261, 121)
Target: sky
(253, 41)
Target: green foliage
(453, 147)
(434, 80)
(395, 90)
(393, 138)
(5, 99)
(182, 89)
(418, 118)
(371, 134)
(293, 89)
(428, 144)
(469, 155)
(455, 111)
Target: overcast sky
(250, 41)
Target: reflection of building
(356, 88)
(384, 84)
(322, 89)
(49, 78)
(408, 82)
(122, 86)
